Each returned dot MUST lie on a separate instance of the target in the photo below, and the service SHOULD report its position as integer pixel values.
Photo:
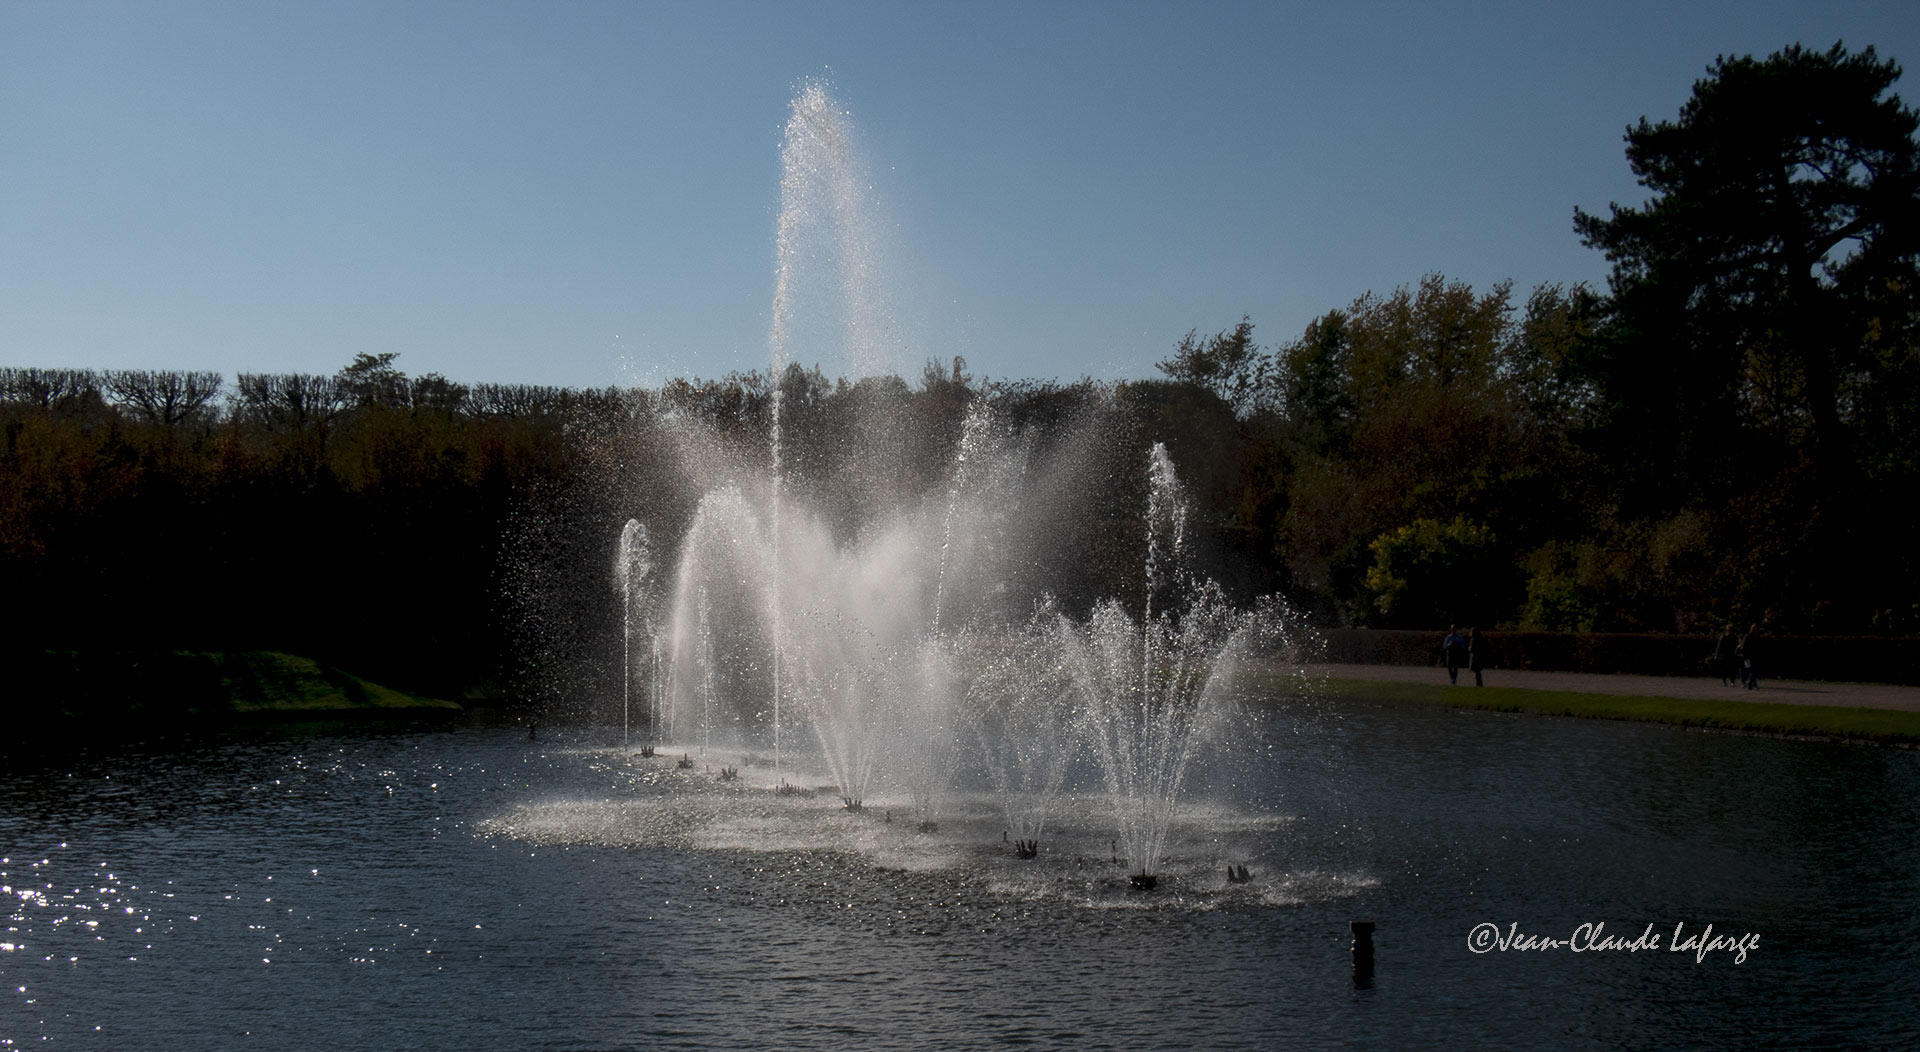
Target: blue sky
(585, 193)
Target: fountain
(892, 623)
(1154, 688)
(1027, 723)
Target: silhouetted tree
(290, 402)
(1227, 363)
(372, 380)
(1759, 358)
(164, 398)
(46, 388)
(1749, 293)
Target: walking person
(1454, 650)
(1476, 654)
(1726, 658)
(1750, 647)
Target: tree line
(1727, 432)
(356, 517)
(447, 538)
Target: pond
(441, 887)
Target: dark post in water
(1362, 952)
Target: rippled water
(463, 887)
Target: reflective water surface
(457, 887)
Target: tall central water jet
(820, 205)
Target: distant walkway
(1787, 692)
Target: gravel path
(1787, 692)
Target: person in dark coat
(1749, 654)
(1476, 654)
(1726, 657)
(1454, 650)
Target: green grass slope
(179, 686)
(1883, 726)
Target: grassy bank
(1881, 726)
(269, 683)
(176, 686)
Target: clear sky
(585, 193)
